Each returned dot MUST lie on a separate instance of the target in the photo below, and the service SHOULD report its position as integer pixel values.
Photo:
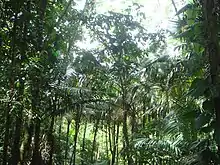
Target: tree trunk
(106, 139)
(36, 158)
(6, 137)
(12, 82)
(210, 8)
(51, 141)
(117, 138)
(77, 126)
(83, 144)
(126, 139)
(114, 143)
(60, 129)
(109, 136)
(127, 147)
(16, 143)
(18, 126)
(59, 143)
(67, 141)
(133, 122)
(108, 133)
(144, 114)
(27, 144)
(96, 126)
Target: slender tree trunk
(125, 107)
(133, 131)
(36, 158)
(75, 143)
(18, 126)
(109, 132)
(106, 139)
(36, 79)
(144, 114)
(77, 126)
(17, 135)
(96, 126)
(51, 141)
(19, 117)
(83, 143)
(109, 136)
(125, 131)
(126, 139)
(117, 138)
(67, 141)
(133, 122)
(60, 157)
(51, 130)
(6, 137)
(114, 143)
(60, 128)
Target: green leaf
(198, 144)
(207, 129)
(208, 106)
(56, 53)
(18, 84)
(202, 120)
(198, 87)
(217, 136)
(184, 8)
(187, 33)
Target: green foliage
(123, 102)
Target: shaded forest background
(129, 100)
